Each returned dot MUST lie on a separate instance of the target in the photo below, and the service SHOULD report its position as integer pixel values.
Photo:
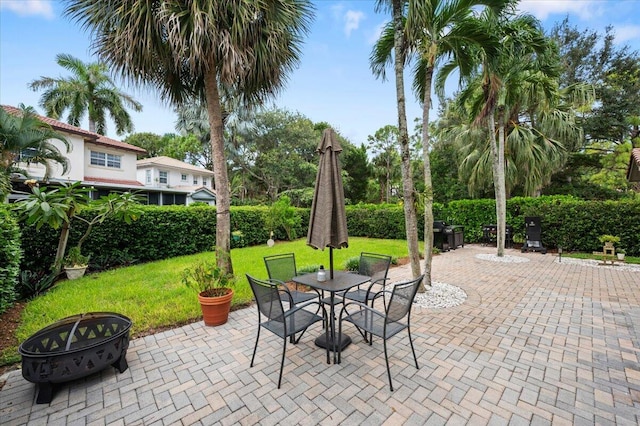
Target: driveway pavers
(539, 342)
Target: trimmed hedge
(10, 256)
(163, 232)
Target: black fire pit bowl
(74, 347)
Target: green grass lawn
(153, 296)
(627, 259)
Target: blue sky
(333, 82)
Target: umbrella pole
(331, 262)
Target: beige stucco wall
(75, 155)
(127, 170)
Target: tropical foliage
(58, 207)
(242, 50)
(89, 92)
(25, 139)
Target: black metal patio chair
(282, 267)
(283, 323)
(375, 266)
(384, 324)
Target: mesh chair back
(281, 267)
(268, 298)
(401, 299)
(374, 265)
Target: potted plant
(214, 289)
(75, 263)
(620, 253)
(608, 240)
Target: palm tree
(435, 30)
(90, 90)
(518, 81)
(25, 139)
(201, 49)
(379, 58)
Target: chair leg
(255, 348)
(412, 350)
(284, 350)
(386, 359)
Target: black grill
(447, 237)
(490, 232)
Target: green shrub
(165, 232)
(10, 255)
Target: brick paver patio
(536, 343)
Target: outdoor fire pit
(74, 347)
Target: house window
(204, 182)
(183, 177)
(195, 180)
(148, 177)
(98, 158)
(27, 154)
(164, 177)
(105, 160)
(113, 161)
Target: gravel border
(440, 296)
(597, 264)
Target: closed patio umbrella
(328, 220)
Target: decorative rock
(440, 296)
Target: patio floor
(537, 343)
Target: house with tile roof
(108, 165)
(179, 182)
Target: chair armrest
(302, 306)
(282, 288)
(360, 306)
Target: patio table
(340, 282)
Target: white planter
(75, 273)
(620, 256)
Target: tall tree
(26, 139)
(434, 30)
(384, 143)
(358, 168)
(89, 91)
(379, 58)
(277, 152)
(201, 49)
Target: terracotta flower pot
(215, 310)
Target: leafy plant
(10, 255)
(75, 259)
(58, 207)
(282, 214)
(34, 284)
(621, 251)
(207, 279)
(609, 239)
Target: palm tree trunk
(497, 154)
(408, 190)
(428, 185)
(223, 202)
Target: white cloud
(541, 9)
(352, 20)
(625, 33)
(43, 8)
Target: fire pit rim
(77, 318)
